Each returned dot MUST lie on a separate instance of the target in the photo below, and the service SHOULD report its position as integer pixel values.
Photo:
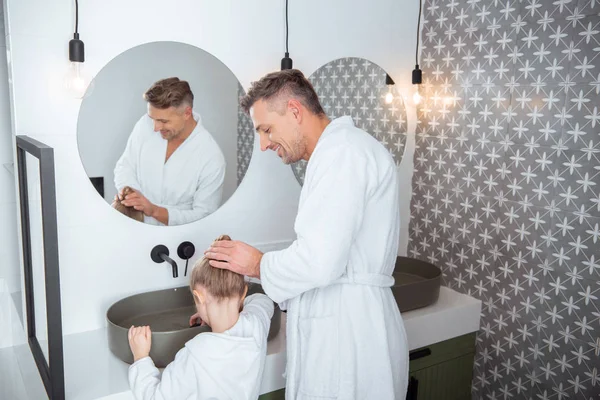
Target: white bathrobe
(345, 335)
(223, 366)
(189, 185)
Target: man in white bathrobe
(345, 335)
(171, 161)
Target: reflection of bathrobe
(345, 335)
(189, 185)
(220, 366)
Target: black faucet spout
(160, 253)
(172, 262)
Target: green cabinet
(442, 371)
(276, 395)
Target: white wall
(108, 114)
(104, 256)
(9, 255)
(8, 236)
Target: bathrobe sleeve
(208, 195)
(178, 378)
(126, 167)
(260, 309)
(328, 218)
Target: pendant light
(286, 62)
(389, 97)
(417, 74)
(77, 82)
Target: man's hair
(290, 83)
(170, 92)
(220, 283)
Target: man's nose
(264, 143)
(157, 126)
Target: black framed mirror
(45, 342)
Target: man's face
(278, 132)
(170, 122)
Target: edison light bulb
(417, 97)
(389, 97)
(78, 82)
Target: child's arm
(178, 380)
(260, 308)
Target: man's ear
(188, 112)
(295, 107)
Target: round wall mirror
(162, 137)
(359, 88)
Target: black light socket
(286, 62)
(417, 75)
(389, 80)
(76, 49)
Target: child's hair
(220, 283)
(128, 211)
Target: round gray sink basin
(167, 312)
(417, 283)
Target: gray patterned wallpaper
(356, 87)
(506, 187)
(245, 143)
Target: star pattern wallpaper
(245, 139)
(506, 185)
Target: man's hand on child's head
(140, 341)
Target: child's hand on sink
(195, 320)
(140, 341)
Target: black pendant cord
(186, 267)
(417, 74)
(286, 62)
(287, 50)
(76, 17)
(418, 33)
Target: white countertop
(93, 372)
(454, 314)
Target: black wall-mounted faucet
(160, 253)
(185, 251)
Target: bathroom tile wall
(506, 188)
(99, 247)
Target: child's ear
(199, 296)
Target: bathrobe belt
(367, 279)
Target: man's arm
(326, 227)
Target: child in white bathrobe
(226, 363)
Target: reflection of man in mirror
(174, 165)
